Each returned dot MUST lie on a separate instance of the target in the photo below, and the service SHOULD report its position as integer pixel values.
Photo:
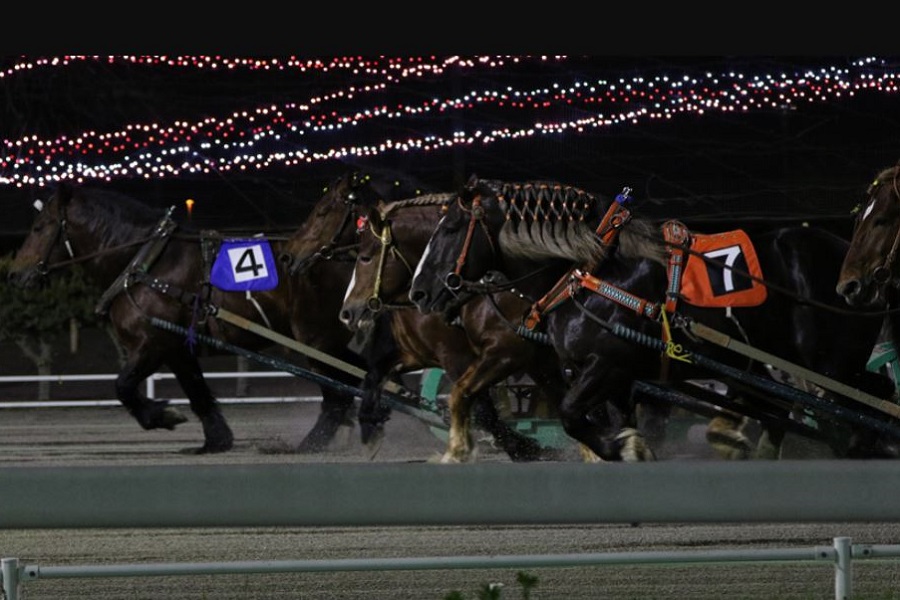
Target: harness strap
(141, 263)
(616, 294)
(617, 215)
(166, 288)
(678, 239)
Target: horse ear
(64, 193)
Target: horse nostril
(849, 288)
(345, 316)
(416, 296)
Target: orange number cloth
(711, 283)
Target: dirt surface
(107, 435)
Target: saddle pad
(244, 264)
(710, 283)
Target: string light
(315, 129)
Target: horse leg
(217, 435)
(150, 414)
(475, 398)
(768, 447)
(460, 444)
(372, 413)
(725, 434)
(519, 447)
(336, 410)
(608, 429)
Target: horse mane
(438, 199)
(548, 219)
(113, 216)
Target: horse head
(330, 232)
(392, 238)
(461, 249)
(870, 267)
(47, 243)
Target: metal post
(843, 569)
(9, 573)
(151, 387)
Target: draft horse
(477, 352)
(332, 226)
(152, 267)
(617, 280)
(870, 274)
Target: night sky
(254, 140)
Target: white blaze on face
(425, 255)
(350, 285)
(869, 209)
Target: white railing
(151, 389)
(469, 495)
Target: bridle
(453, 281)
(331, 249)
(375, 304)
(882, 274)
(62, 232)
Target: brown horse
(482, 350)
(389, 342)
(870, 274)
(152, 268)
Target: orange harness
(689, 280)
(617, 215)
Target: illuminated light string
(292, 134)
(404, 66)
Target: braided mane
(548, 219)
(423, 200)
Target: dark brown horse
(479, 351)
(606, 321)
(329, 237)
(870, 273)
(869, 279)
(151, 267)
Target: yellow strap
(673, 350)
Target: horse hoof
(729, 444)
(159, 416)
(170, 417)
(633, 447)
(373, 445)
(370, 432)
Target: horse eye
(364, 259)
